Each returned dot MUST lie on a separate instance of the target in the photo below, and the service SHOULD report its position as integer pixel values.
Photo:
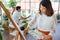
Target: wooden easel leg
(21, 38)
(17, 34)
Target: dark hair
(18, 7)
(48, 6)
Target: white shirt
(44, 23)
(16, 15)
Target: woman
(45, 21)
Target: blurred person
(44, 22)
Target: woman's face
(43, 9)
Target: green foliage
(12, 3)
(0, 22)
(25, 21)
(0, 14)
(0, 36)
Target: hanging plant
(12, 3)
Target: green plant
(5, 22)
(12, 3)
(0, 14)
(0, 34)
(0, 22)
(26, 23)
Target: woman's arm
(55, 23)
(32, 22)
(13, 9)
(24, 17)
(54, 26)
(29, 25)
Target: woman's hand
(44, 32)
(47, 37)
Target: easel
(13, 23)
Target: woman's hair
(18, 7)
(48, 6)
